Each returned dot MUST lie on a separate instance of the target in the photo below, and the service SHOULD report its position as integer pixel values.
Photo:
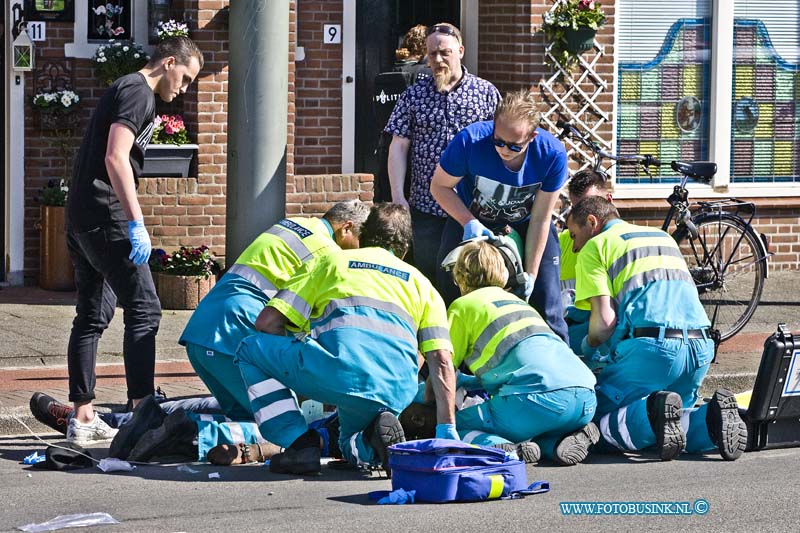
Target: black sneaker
(664, 410)
(51, 412)
(175, 436)
(574, 448)
(382, 432)
(528, 452)
(296, 461)
(146, 416)
(726, 428)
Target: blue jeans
(105, 276)
(427, 235)
(207, 405)
(546, 295)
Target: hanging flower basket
(579, 40)
(54, 120)
(570, 28)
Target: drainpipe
(258, 90)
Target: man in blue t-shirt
(506, 172)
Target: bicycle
(726, 257)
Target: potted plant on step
(169, 152)
(183, 277)
(571, 28)
(56, 272)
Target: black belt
(670, 333)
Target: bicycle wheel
(727, 266)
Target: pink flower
(586, 4)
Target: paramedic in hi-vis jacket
(645, 308)
(228, 313)
(368, 314)
(538, 388)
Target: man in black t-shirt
(107, 240)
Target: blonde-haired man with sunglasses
(506, 172)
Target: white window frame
(720, 94)
(81, 47)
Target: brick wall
(44, 160)
(318, 97)
(191, 211)
(512, 51)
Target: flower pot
(580, 40)
(168, 160)
(181, 292)
(56, 272)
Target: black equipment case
(773, 417)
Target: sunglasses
(441, 28)
(511, 146)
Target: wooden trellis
(574, 96)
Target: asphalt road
(759, 492)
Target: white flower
(136, 56)
(125, 48)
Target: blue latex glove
(474, 228)
(398, 497)
(530, 281)
(140, 242)
(446, 431)
(595, 356)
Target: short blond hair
(479, 265)
(519, 105)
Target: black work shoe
(175, 436)
(51, 412)
(146, 416)
(574, 448)
(382, 432)
(332, 426)
(296, 461)
(419, 421)
(528, 452)
(726, 428)
(664, 410)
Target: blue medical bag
(443, 470)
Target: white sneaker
(86, 434)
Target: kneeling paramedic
(538, 388)
(644, 304)
(228, 313)
(368, 313)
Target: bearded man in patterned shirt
(426, 118)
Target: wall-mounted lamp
(23, 51)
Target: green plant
(567, 17)
(118, 58)
(58, 101)
(185, 262)
(169, 129)
(172, 28)
(55, 193)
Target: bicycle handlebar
(568, 129)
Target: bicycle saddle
(700, 170)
